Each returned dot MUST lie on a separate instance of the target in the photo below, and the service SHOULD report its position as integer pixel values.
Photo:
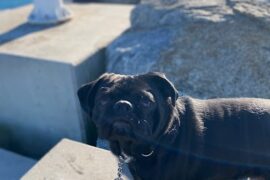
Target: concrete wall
(39, 102)
(41, 68)
(13, 166)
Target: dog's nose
(122, 107)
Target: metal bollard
(49, 12)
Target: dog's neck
(190, 132)
(184, 127)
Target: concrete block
(13, 166)
(41, 68)
(71, 160)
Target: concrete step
(71, 160)
(13, 166)
(41, 68)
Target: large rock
(207, 48)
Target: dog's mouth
(117, 130)
(121, 130)
(124, 139)
(131, 149)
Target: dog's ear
(115, 148)
(87, 93)
(163, 84)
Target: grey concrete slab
(13, 166)
(71, 160)
(41, 68)
(92, 27)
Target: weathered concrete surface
(208, 48)
(13, 166)
(71, 160)
(41, 68)
(92, 28)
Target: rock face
(208, 48)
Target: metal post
(49, 12)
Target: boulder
(210, 48)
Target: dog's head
(129, 111)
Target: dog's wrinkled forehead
(124, 83)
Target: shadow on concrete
(22, 30)
(23, 134)
(85, 74)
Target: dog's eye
(145, 102)
(104, 89)
(103, 99)
(103, 102)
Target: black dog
(171, 137)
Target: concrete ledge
(93, 27)
(71, 160)
(41, 68)
(13, 166)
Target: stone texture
(72, 160)
(42, 67)
(213, 48)
(13, 166)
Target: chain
(120, 168)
